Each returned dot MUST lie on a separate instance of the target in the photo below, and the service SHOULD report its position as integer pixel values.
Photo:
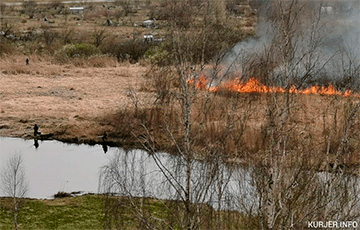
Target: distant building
(76, 9)
(148, 38)
(149, 24)
(327, 10)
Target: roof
(76, 8)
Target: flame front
(254, 86)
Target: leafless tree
(290, 189)
(13, 183)
(289, 181)
(49, 36)
(197, 177)
(99, 36)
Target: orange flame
(254, 86)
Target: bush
(178, 12)
(158, 55)
(62, 195)
(6, 47)
(80, 50)
(132, 49)
(2, 7)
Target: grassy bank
(88, 212)
(84, 212)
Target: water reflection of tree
(135, 174)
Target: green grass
(85, 212)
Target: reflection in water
(36, 143)
(61, 167)
(253, 190)
(137, 173)
(104, 147)
(55, 166)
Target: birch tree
(14, 184)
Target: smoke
(303, 43)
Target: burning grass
(243, 133)
(255, 86)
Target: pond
(52, 166)
(55, 166)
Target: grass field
(87, 212)
(84, 212)
(63, 99)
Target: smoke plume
(302, 43)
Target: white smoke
(326, 46)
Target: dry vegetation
(316, 127)
(76, 88)
(80, 69)
(85, 79)
(63, 99)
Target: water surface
(55, 166)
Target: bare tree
(49, 36)
(290, 189)
(289, 181)
(197, 177)
(13, 183)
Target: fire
(255, 86)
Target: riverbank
(88, 212)
(83, 212)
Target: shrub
(127, 6)
(2, 7)
(80, 49)
(132, 49)
(49, 36)
(62, 195)
(178, 12)
(158, 55)
(6, 47)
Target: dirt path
(62, 99)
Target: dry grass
(83, 97)
(62, 99)
(314, 121)
(78, 104)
